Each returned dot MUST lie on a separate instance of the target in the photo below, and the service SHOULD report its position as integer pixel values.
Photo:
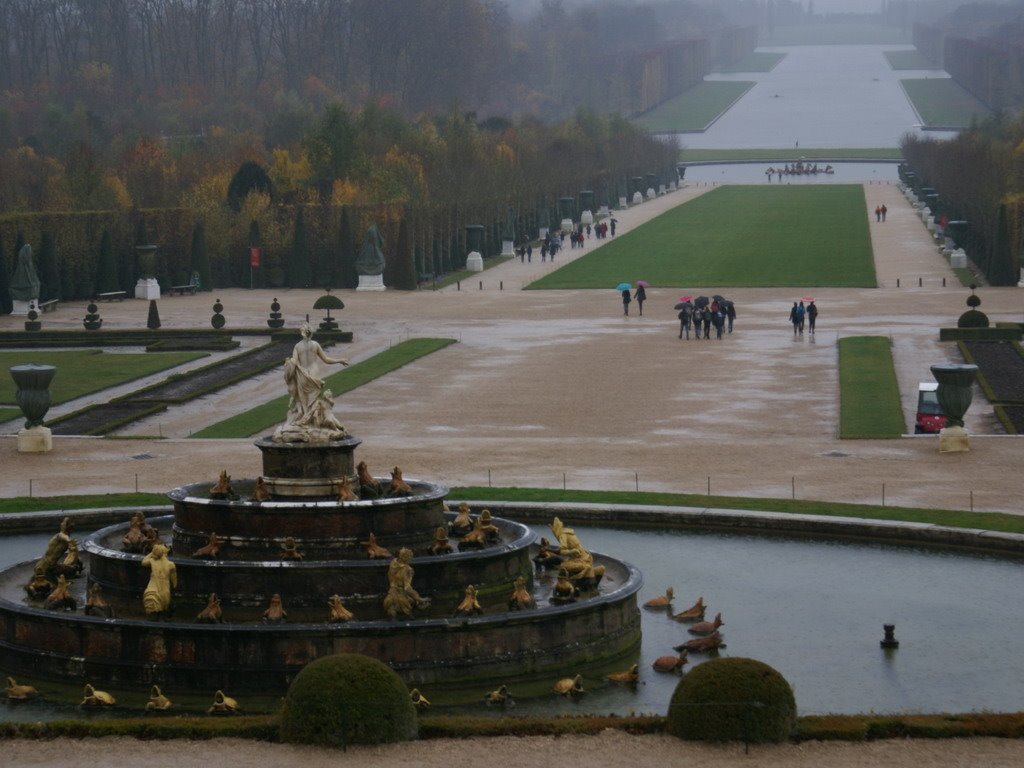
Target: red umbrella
(686, 298)
(642, 284)
(807, 298)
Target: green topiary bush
(347, 699)
(726, 682)
(972, 318)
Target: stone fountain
(267, 574)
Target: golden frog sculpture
(401, 596)
(469, 606)
(463, 522)
(576, 560)
(275, 613)
(398, 485)
(521, 597)
(337, 610)
(61, 599)
(441, 545)
(95, 605)
(212, 613)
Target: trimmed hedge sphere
(727, 681)
(972, 318)
(347, 699)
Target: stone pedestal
(21, 308)
(307, 469)
(566, 226)
(651, 193)
(637, 198)
(543, 233)
(622, 202)
(953, 440)
(475, 262)
(958, 259)
(147, 288)
(35, 440)
(603, 211)
(586, 218)
(1020, 283)
(506, 248)
(370, 283)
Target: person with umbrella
(812, 313)
(641, 295)
(626, 298)
(685, 315)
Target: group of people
(641, 297)
(880, 211)
(554, 242)
(717, 315)
(798, 168)
(801, 315)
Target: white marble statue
(310, 407)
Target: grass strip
(803, 236)
(82, 372)
(942, 103)
(992, 521)
(776, 155)
(869, 397)
(756, 61)
(857, 728)
(270, 413)
(908, 60)
(6, 414)
(695, 108)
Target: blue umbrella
(623, 286)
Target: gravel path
(611, 749)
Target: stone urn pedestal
(33, 397)
(147, 286)
(370, 283)
(954, 394)
(475, 262)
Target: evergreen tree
(250, 177)
(153, 320)
(298, 273)
(19, 243)
(6, 303)
(49, 278)
(404, 273)
(345, 274)
(106, 266)
(200, 259)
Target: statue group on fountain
(310, 405)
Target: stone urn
(33, 397)
(147, 286)
(954, 395)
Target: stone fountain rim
(435, 491)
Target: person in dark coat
(641, 297)
(812, 316)
(794, 319)
(698, 321)
(708, 315)
(718, 320)
(625, 301)
(730, 314)
(685, 315)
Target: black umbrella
(725, 303)
(701, 301)
(682, 304)
(719, 298)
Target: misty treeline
(979, 177)
(179, 65)
(981, 46)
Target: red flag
(254, 256)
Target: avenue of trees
(979, 177)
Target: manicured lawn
(758, 61)
(264, 416)
(942, 103)
(775, 155)
(6, 414)
(81, 372)
(869, 397)
(739, 236)
(694, 109)
(833, 34)
(908, 60)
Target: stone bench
(183, 289)
(46, 306)
(111, 295)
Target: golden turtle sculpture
(569, 686)
(223, 705)
(157, 701)
(16, 692)
(94, 698)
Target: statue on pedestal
(310, 407)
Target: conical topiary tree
(49, 269)
(106, 266)
(298, 273)
(405, 266)
(200, 260)
(345, 274)
(153, 321)
(6, 303)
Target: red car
(929, 418)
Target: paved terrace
(547, 385)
